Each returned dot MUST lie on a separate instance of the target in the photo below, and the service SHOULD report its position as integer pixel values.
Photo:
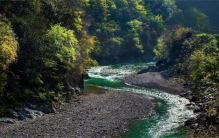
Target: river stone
(38, 113)
(183, 94)
(197, 109)
(25, 113)
(190, 121)
(14, 114)
(20, 116)
(194, 126)
(31, 116)
(31, 113)
(191, 104)
(6, 120)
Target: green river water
(167, 117)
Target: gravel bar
(89, 116)
(155, 80)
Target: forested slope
(191, 51)
(44, 50)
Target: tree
(135, 30)
(8, 52)
(58, 54)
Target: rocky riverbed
(156, 80)
(164, 81)
(90, 115)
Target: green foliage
(37, 6)
(89, 63)
(107, 27)
(171, 6)
(42, 96)
(35, 79)
(63, 42)
(195, 58)
(53, 45)
(161, 48)
(139, 6)
(194, 15)
(135, 29)
(117, 41)
(122, 4)
(180, 32)
(8, 44)
(193, 55)
(78, 20)
(174, 44)
(201, 66)
(135, 22)
(201, 20)
(159, 20)
(204, 61)
(135, 25)
(8, 52)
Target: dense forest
(46, 46)
(44, 51)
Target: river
(168, 115)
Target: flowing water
(168, 116)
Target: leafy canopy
(8, 50)
(63, 41)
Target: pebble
(78, 119)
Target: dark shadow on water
(89, 88)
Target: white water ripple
(176, 112)
(116, 71)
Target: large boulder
(7, 120)
(197, 109)
(190, 122)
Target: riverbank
(156, 80)
(90, 115)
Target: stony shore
(90, 115)
(156, 80)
